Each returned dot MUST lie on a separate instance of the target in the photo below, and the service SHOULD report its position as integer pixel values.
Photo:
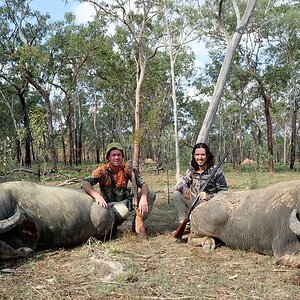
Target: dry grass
(156, 268)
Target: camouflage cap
(112, 146)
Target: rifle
(134, 190)
(180, 230)
(138, 221)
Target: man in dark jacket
(188, 188)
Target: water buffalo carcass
(35, 217)
(264, 220)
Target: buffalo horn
(11, 222)
(294, 222)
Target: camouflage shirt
(195, 181)
(113, 186)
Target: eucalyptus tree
(139, 18)
(265, 70)
(181, 26)
(269, 53)
(26, 33)
(78, 45)
(13, 42)
(232, 33)
(9, 121)
(178, 31)
(285, 52)
(157, 111)
(294, 128)
(110, 84)
(235, 119)
(18, 90)
(38, 127)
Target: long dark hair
(210, 157)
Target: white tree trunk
(137, 130)
(219, 87)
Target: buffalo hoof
(8, 252)
(207, 243)
(25, 251)
(290, 260)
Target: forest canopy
(67, 89)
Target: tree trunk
(219, 87)
(63, 144)
(137, 130)
(267, 106)
(75, 144)
(17, 150)
(46, 96)
(97, 138)
(294, 132)
(284, 145)
(79, 132)
(70, 131)
(75, 140)
(172, 58)
(52, 150)
(26, 122)
(63, 148)
(80, 127)
(46, 142)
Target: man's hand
(100, 200)
(187, 193)
(93, 193)
(143, 205)
(203, 196)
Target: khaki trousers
(182, 205)
(122, 212)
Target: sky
(84, 11)
(57, 9)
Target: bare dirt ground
(155, 268)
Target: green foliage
(261, 157)
(90, 73)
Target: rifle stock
(180, 229)
(138, 219)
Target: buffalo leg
(7, 252)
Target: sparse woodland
(68, 89)
(132, 75)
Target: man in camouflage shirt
(113, 178)
(188, 188)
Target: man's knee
(121, 212)
(177, 196)
(151, 199)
